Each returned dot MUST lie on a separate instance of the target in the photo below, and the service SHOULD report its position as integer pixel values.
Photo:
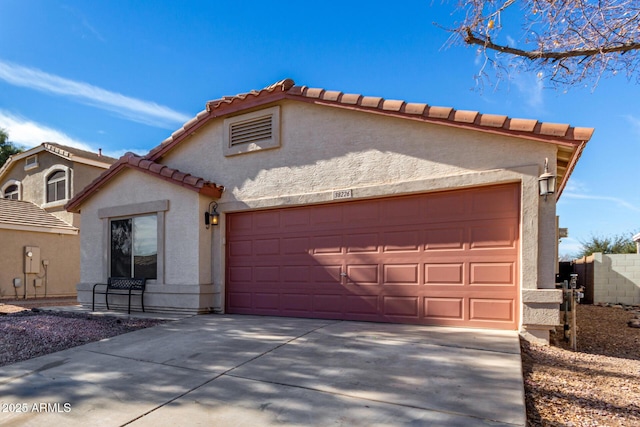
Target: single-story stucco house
(340, 206)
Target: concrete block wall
(617, 278)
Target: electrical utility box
(31, 259)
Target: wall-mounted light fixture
(211, 216)
(547, 181)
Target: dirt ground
(598, 385)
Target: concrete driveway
(261, 371)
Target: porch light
(211, 216)
(547, 181)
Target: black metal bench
(120, 286)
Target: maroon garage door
(445, 258)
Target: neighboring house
(339, 206)
(34, 187)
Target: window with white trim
(134, 247)
(12, 192)
(57, 186)
(31, 162)
(255, 131)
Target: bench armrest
(99, 284)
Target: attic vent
(251, 131)
(256, 131)
(31, 162)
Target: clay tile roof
(331, 95)
(370, 101)
(76, 152)
(132, 161)
(281, 86)
(156, 168)
(413, 108)
(571, 138)
(465, 116)
(351, 98)
(392, 105)
(492, 120)
(439, 112)
(313, 93)
(26, 216)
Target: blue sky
(123, 75)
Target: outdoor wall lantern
(211, 216)
(547, 181)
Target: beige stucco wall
(182, 284)
(325, 149)
(63, 272)
(33, 182)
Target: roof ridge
(56, 149)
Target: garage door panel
(240, 248)
(295, 218)
(436, 308)
(328, 304)
(295, 245)
(401, 274)
(240, 275)
(363, 274)
(493, 236)
(362, 243)
(498, 201)
(266, 301)
(444, 238)
(267, 274)
(326, 274)
(402, 211)
(400, 306)
(269, 220)
(297, 302)
(495, 310)
(401, 241)
(445, 206)
(449, 274)
(495, 273)
(330, 215)
(362, 214)
(240, 300)
(359, 305)
(326, 244)
(266, 247)
(443, 258)
(296, 274)
(240, 224)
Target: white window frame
(68, 173)
(28, 164)
(133, 240)
(263, 144)
(159, 207)
(9, 184)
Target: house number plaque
(341, 194)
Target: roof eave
(130, 161)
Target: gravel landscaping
(25, 334)
(599, 385)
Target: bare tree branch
(542, 54)
(565, 41)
